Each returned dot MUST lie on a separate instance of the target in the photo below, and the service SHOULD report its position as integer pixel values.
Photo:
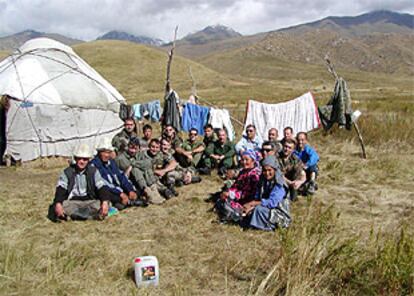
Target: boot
(179, 183)
(195, 179)
(311, 187)
(153, 195)
(172, 189)
(204, 171)
(168, 194)
(222, 172)
(138, 203)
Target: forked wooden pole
(331, 70)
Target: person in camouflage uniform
(170, 133)
(220, 155)
(165, 166)
(189, 153)
(291, 167)
(209, 138)
(147, 136)
(138, 165)
(121, 139)
(169, 171)
(148, 160)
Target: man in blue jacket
(310, 159)
(123, 193)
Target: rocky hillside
(118, 35)
(209, 34)
(11, 42)
(381, 21)
(376, 42)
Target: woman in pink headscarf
(230, 204)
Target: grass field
(354, 237)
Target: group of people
(272, 173)
(261, 177)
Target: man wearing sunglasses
(249, 141)
(268, 148)
(190, 151)
(170, 133)
(81, 193)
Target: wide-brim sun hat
(105, 144)
(83, 151)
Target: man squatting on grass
(122, 191)
(81, 192)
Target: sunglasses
(82, 158)
(267, 150)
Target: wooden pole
(193, 83)
(170, 57)
(331, 67)
(212, 105)
(361, 141)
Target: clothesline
(215, 106)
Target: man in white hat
(81, 193)
(123, 193)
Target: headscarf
(273, 163)
(253, 155)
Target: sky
(88, 19)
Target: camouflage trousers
(183, 175)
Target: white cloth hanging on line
(220, 118)
(301, 114)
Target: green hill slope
(139, 72)
(3, 54)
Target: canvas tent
(57, 101)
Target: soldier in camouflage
(121, 140)
(189, 153)
(138, 165)
(292, 168)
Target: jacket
(116, 181)
(89, 185)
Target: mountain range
(14, 41)
(379, 41)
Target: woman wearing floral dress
(231, 201)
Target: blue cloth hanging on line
(150, 110)
(137, 111)
(195, 116)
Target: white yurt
(57, 101)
